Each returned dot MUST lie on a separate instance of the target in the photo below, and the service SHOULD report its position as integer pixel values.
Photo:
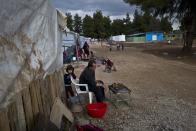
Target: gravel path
(163, 92)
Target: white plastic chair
(79, 91)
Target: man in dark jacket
(88, 77)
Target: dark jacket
(67, 78)
(109, 63)
(86, 46)
(88, 77)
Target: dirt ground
(163, 90)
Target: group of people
(87, 77)
(118, 45)
(83, 52)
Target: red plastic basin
(96, 110)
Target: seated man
(88, 77)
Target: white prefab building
(118, 38)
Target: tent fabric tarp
(69, 39)
(30, 44)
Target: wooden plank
(48, 87)
(55, 80)
(59, 82)
(4, 121)
(27, 108)
(38, 95)
(49, 98)
(20, 113)
(35, 107)
(61, 87)
(44, 96)
(13, 117)
(52, 88)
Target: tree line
(102, 27)
(182, 10)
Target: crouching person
(109, 65)
(88, 77)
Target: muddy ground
(163, 90)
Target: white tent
(82, 41)
(30, 43)
(69, 39)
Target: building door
(154, 37)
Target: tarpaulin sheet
(30, 44)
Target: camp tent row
(71, 41)
(70, 38)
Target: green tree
(107, 27)
(88, 26)
(118, 27)
(69, 21)
(145, 22)
(127, 25)
(184, 10)
(98, 25)
(149, 23)
(137, 23)
(154, 24)
(166, 25)
(77, 24)
(128, 19)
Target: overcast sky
(113, 8)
